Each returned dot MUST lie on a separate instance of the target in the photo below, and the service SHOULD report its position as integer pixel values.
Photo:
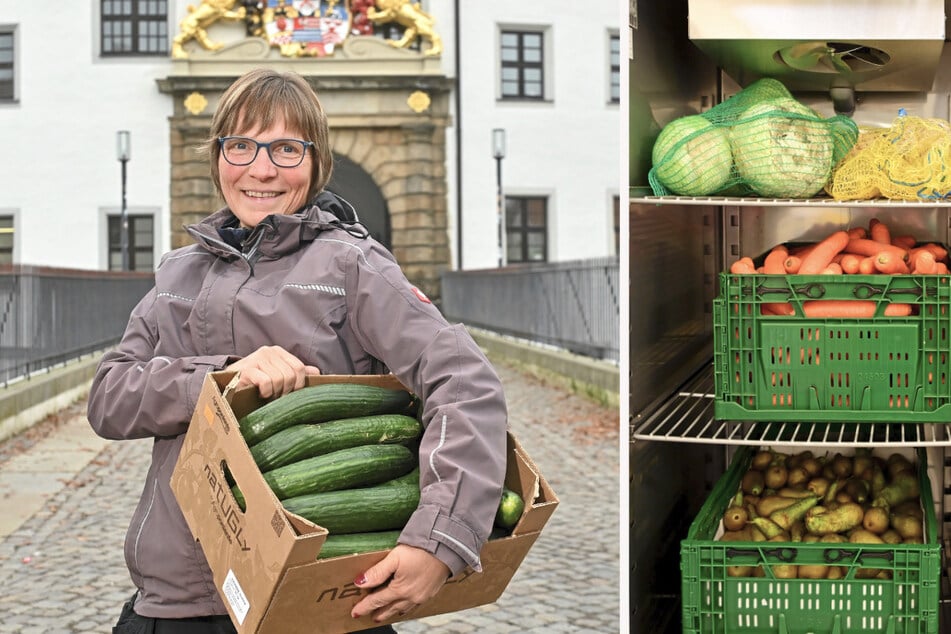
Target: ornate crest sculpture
(312, 28)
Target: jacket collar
(279, 234)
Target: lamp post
(124, 153)
(498, 152)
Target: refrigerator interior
(677, 248)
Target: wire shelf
(638, 196)
(687, 416)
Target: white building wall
(58, 165)
(566, 147)
(59, 173)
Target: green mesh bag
(759, 142)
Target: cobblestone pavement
(64, 571)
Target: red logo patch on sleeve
(420, 295)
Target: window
(523, 67)
(614, 53)
(526, 229)
(134, 27)
(141, 242)
(6, 239)
(7, 59)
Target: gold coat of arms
(312, 28)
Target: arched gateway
(388, 110)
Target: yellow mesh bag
(759, 142)
(907, 161)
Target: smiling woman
(257, 184)
(278, 286)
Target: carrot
(879, 232)
(940, 253)
(864, 246)
(851, 308)
(850, 263)
(822, 254)
(867, 265)
(834, 268)
(742, 266)
(857, 232)
(777, 308)
(922, 261)
(941, 268)
(773, 264)
(904, 241)
(792, 264)
(889, 263)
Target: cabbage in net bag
(907, 161)
(759, 142)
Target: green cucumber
(321, 403)
(510, 509)
(377, 508)
(343, 544)
(343, 469)
(410, 478)
(308, 440)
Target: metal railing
(49, 316)
(572, 305)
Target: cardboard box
(264, 560)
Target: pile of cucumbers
(800, 497)
(345, 456)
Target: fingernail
(360, 580)
(355, 615)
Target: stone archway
(400, 149)
(353, 183)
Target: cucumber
(308, 440)
(343, 544)
(410, 478)
(377, 508)
(321, 403)
(510, 509)
(343, 469)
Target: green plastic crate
(795, 368)
(715, 603)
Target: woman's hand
(414, 577)
(274, 371)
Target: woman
(277, 287)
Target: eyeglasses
(242, 150)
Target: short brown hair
(260, 97)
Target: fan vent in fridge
(841, 58)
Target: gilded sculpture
(409, 15)
(198, 19)
(308, 28)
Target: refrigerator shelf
(688, 416)
(638, 195)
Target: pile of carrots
(857, 250)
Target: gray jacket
(336, 300)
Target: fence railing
(572, 305)
(49, 316)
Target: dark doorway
(352, 182)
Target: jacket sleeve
(136, 394)
(462, 451)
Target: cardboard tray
(264, 560)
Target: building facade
(412, 126)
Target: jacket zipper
(252, 254)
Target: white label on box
(233, 593)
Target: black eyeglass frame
(267, 147)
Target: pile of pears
(833, 499)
